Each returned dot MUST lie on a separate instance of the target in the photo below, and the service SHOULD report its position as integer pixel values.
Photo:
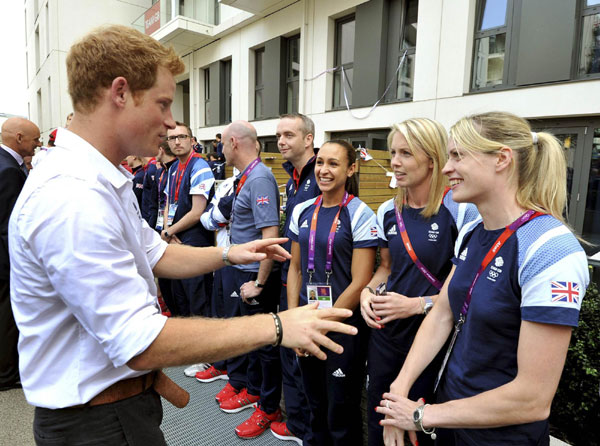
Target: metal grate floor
(201, 422)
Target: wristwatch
(418, 420)
(257, 284)
(225, 256)
(428, 304)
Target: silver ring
(306, 355)
(387, 404)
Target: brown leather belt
(126, 388)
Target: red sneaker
(280, 430)
(258, 422)
(226, 393)
(241, 401)
(211, 374)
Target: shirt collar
(14, 154)
(117, 176)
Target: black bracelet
(278, 330)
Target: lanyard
(246, 175)
(411, 252)
(508, 231)
(178, 177)
(313, 236)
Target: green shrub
(576, 407)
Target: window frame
(259, 88)
(290, 79)
(206, 96)
(225, 106)
(337, 59)
(583, 12)
(409, 52)
(506, 29)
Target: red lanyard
(411, 252)
(313, 236)
(180, 172)
(508, 231)
(246, 174)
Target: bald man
(255, 215)
(20, 137)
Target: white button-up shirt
(82, 288)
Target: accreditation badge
(320, 293)
(171, 213)
(159, 221)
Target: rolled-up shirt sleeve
(100, 270)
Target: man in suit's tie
(20, 137)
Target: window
(49, 101)
(292, 73)
(490, 44)
(523, 42)
(40, 111)
(344, 58)
(581, 142)
(408, 43)
(206, 96)
(38, 56)
(47, 15)
(217, 93)
(259, 83)
(589, 56)
(226, 92)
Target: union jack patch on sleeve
(263, 199)
(373, 231)
(565, 291)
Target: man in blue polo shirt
(190, 186)
(295, 141)
(255, 215)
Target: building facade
(335, 59)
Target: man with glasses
(190, 186)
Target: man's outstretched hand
(305, 328)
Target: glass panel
(405, 78)
(569, 143)
(410, 26)
(346, 41)
(589, 59)
(591, 220)
(338, 88)
(337, 76)
(488, 68)
(593, 2)
(258, 103)
(293, 62)
(292, 97)
(259, 67)
(207, 84)
(494, 14)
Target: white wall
(68, 20)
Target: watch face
(416, 415)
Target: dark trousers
(264, 364)
(296, 405)
(333, 389)
(384, 362)
(192, 296)
(237, 367)
(133, 421)
(217, 307)
(9, 335)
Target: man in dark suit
(20, 137)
